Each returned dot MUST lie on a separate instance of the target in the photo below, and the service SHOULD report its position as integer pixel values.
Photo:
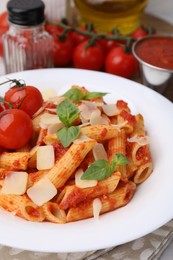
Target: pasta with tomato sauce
(85, 158)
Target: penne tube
(3, 173)
(53, 213)
(15, 160)
(140, 154)
(139, 126)
(118, 145)
(73, 195)
(119, 198)
(22, 206)
(143, 172)
(68, 163)
(99, 132)
(130, 120)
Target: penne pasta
(22, 206)
(119, 198)
(85, 158)
(53, 213)
(118, 145)
(72, 195)
(65, 167)
(15, 161)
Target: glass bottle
(107, 15)
(26, 45)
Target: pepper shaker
(26, 45)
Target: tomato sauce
(157, 51)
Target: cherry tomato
(77, 38)
(27, 98)
(139, 33)
(2, 31)
(63, 51)
(4, 20)
(15, 128)
(121, 63)
(88, 57)
(53, 29)
(4, 25)
(108, 45)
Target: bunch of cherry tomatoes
(17, 108)
(81, 47)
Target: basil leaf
(74, 94)
(98, 170)
(67, 135)
(102, 169)
(91, 95)
(67, 112)
(119, 159)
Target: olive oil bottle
(107, 15)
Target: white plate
(150, 208)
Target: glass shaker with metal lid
(26, 45)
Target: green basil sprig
(102, 169)
(68, 113)
(76, 94)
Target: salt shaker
(26, 44)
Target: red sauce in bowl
(157, 51)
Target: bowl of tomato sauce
(155, 56)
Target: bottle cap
(25, 12)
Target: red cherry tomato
(120, 63)
(139, 33)
(4, 25)
(15, 128)
(4, 20)
(27, 98)
(2, 31)
(63, 51)
(77, 38)
(108, 45)
(53, 29)
(88, 57)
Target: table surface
(158, 9)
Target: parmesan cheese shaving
(141, 140)
(52, 110)
(110, 110)
(15, 183)
(99, 152)
(86, 109)
(45, 157)
(39, 111)
(48, 119)
(42, 191)
(97, 119)
(56, 100)
(97, 206)
(83, 183)
(48, 93)
(52, 129)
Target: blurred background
(158, 8)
